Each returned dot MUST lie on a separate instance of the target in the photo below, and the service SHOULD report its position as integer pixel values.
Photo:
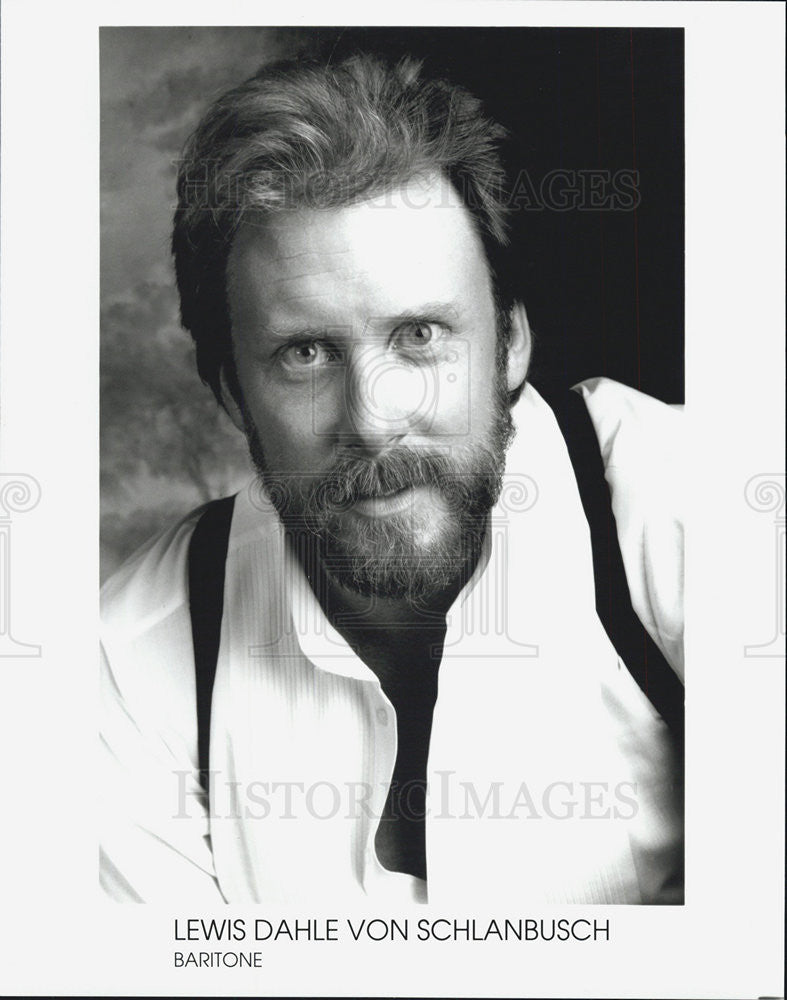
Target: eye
(415, 335)
(309, 354)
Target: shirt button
(382, 716)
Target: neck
(373, 611)
(386, 632)
(343, 603)
(398, 638)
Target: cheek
(464, 402)
(288, 431)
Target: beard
(429, 547)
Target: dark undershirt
(408, 676)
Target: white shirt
(550, 775)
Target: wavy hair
(301, 134)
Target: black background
(604, 289)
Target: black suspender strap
(206, 558)
(628, 635)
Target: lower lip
(395, 503)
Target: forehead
(393, 253)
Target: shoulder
(152, 583)
(642, 445)
(633, 429)
(147, 648)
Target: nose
(384, 399)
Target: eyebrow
(439, 312)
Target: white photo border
(60, 935)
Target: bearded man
(379, 672)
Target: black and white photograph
(400, 662)
(393, 474)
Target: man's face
(364, 340)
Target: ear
(519, 347)
(229, 402)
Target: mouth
(383, 506)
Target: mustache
(355, 478)
(464, 481)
